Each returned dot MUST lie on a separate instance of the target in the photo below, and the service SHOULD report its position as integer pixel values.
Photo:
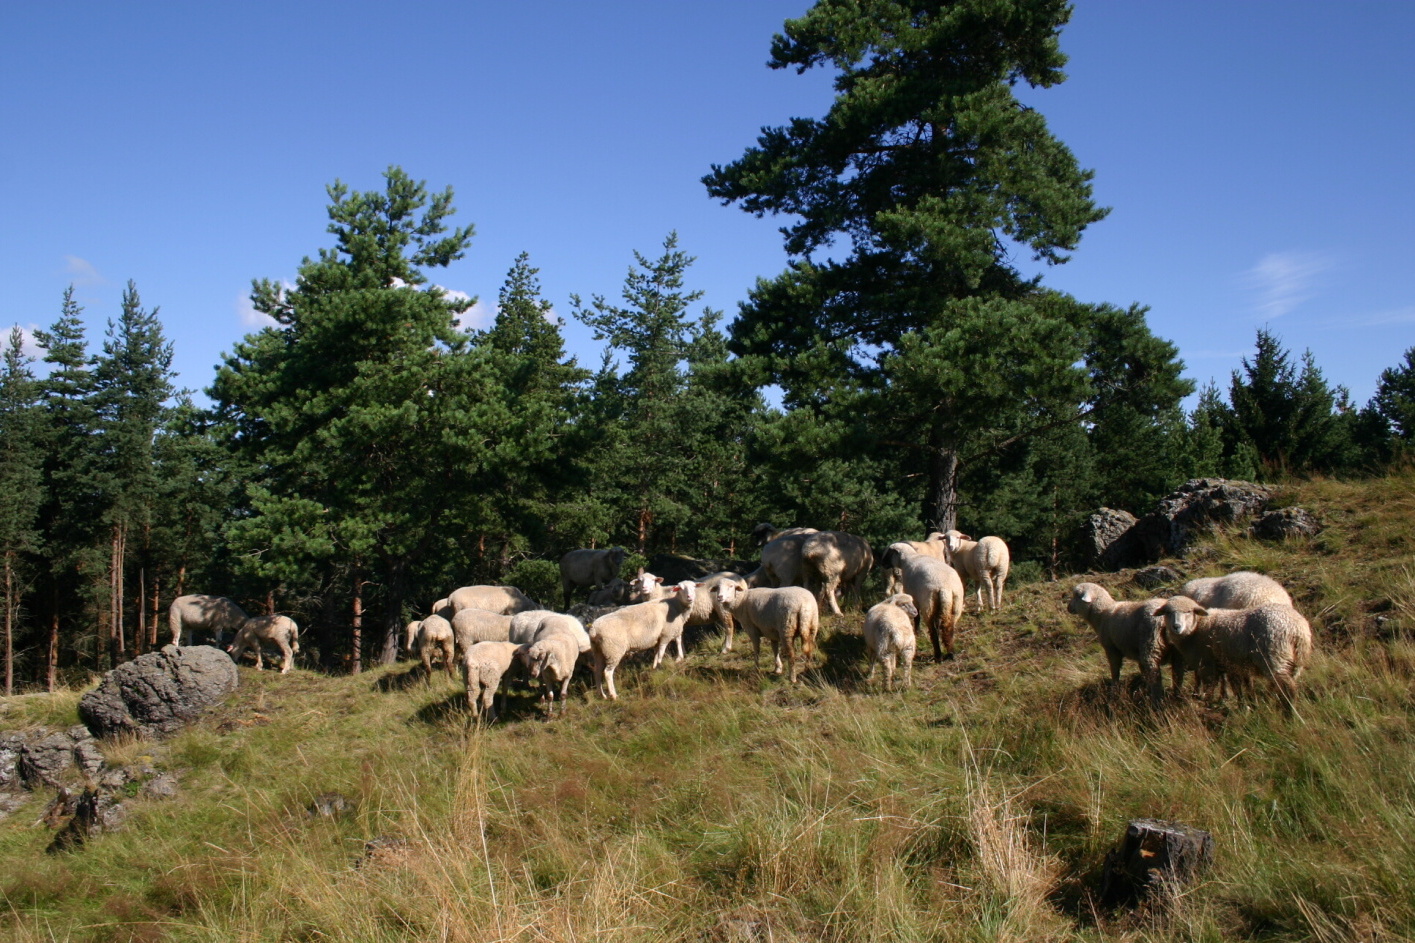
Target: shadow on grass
(512, 707)
(396, 681)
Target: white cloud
(478, 317)
(81, 272)
(254, 320)
(1283, 280)
(1396, 316)
(28, 346)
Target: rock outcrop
(159, 693)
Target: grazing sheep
(638, 628)
(215, 615)
(938, 595)
(507, 600)
(589, 568)
(430, 638)
(1241, 590)
(1131, 630)
(443, 607)
(613, 593)
(784, 615)
(527, 627)
(279, 630)
(890, 638)
(470, 626)
(552, 660)
(483, 666)
(834, 562)
(983, 563)
(889, 562)
(1272, 640)
(765, 533)
(646, 587)
(781, 559)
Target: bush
(538, 579)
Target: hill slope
(715, 803)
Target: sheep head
(1181, 616)
(906, 602)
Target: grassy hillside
(715, 803)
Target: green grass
(714, 803)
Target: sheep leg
(1115, 658)
(259, 666)
(658, 652)
(287, 660)
(889, 672)
(609, 665)
(789, 645)
(776, 650)
(426, 657)
(907, 656)
(728, 627)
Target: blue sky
(1255, 155)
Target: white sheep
(889, 561)
(1272, 640)
(706, 610)
(432, 637)
(214, 615)
(637, 628)
(1241, 590)
(784, 615)
(551, 659)
(483, 666)
(984, 563)
(937, 591)
(834, 562)
(890, 638)
(470, 626)
(278, 630)
(1131, 630)
(527, 627)
(443, 607)
(507, 600)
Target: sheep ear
(1200, 611)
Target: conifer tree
(1288, 418)
(907, 201)
(1395, 397)
(366, 409)
(21, 486)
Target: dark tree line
(366, 453)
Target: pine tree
(907, 200)
(21, 486)
(1395, 397)
(71, 518)
(369, 413)
(1289, 419)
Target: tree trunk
(941, 499)
(356, 664)
(9, 622)
(156, 608)
(645, 518)
(51, 654)
(140, 633)
(393, 610)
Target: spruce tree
(1395, 397)
(21, 486)
(907, 201)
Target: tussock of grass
(714, 803)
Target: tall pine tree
(21, 486)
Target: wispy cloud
(1283, 280)
(1403, 315)
(81, 272)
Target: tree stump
(1154, 856)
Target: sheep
(470, 626)
(613, 593)
(215, 615)
(982, 562)
(281, 630)
(1271, 640)
(646, 587)
(1241, 590)
(834, 562)
(443, 607)
(781, 559)
(937, 591)
(552, 659)
(483, 666)
(890, 638)
(1128, 630)
(589, 568)
(889, 562)
(765, 533)
(638, 628)
(784, 615)
(431, 637)
(507, 600)
(527, 627)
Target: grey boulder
(159, 693)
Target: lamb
(470, 626)
(982, 562)
(589, 568)
(613, 593)
(483, 666)
(1241, 590)
(528, 627)
(1131, 630)
(706, 610)
(432, 637)
(834, 561)
(507, 600)
(552, 659)
(889, 638)
(280, 630)
(889, 562)
(638, 628)
(937, 591)
(215, 615)
(1271, 640)
(784, 615)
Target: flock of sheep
(1224, 630)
